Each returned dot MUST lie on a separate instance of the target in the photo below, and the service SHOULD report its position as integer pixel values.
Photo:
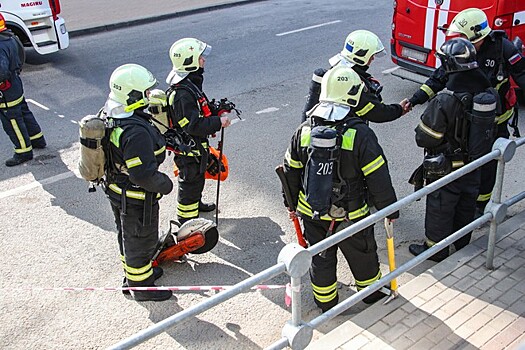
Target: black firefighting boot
(206, 207)
(39, 143)
(417, 249)
(148, 295)
(19, 158)
(157, 273)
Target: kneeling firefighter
(134, 184)
(457, 127)
(330, 157)
(190, 111)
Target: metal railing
(296, 260)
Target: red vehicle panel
(418, 29)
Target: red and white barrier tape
(178, 288)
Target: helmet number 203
(325, 168)
(342, 78)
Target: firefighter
(451, 139)
(189, 109)
(17, 120)
(359, 159)
(359, 51)
(499, 59)
(134, 183)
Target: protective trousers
(360, 251)
(136, 242)
(451, 207)
(191, 185)
(488, 172)
(22, 128)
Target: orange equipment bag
(212, 170)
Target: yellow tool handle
(389, 227)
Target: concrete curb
(113, 26)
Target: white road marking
(307, 28)
(36, 184)
(37, 104)
(61, 116)
(267, 110)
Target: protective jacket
(136, 150)
(10, 65)
(499, 59)
(361, 161)
(370, 107)
(190, 110)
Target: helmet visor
(207, 51)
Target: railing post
(297, 261)
(507, 148)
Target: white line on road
(37, 104)
(307, 28)
(36, 184)
(267, 110)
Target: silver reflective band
(323, 143)
(483, 107)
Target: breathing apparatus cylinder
(92, 130)
(320, 168)
(482, 125)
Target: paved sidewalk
(457, 304)
(84, 17)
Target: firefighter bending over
(330, 157)
(134, 183)
(189, 110)
(456, 128)
(359, 51)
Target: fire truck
(37, 24)
(419, 28)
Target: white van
(36, 23)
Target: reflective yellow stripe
(304, 208)
(139, 278)
(114, 138)
(501, 83)
(139, 270)
(130, 194)
(427, 90)
(505, 116)
(484, 197)
(138, 274)
(457, 163)
(305, 136)
(133, 162)
(188, 211)
(348, 140)
(37, 136)
(325, 294)
(430, 243)
(373, 165)
(23, 147)
(160, 150)
(293, 163)
(429, 131)
(363, 284)
(365, 109)
(359, 212)
(134, 106)
(12, 103)
(123, 258)
(183, 122)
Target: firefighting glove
(157, 101)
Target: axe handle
(288, 195)
(389, 227)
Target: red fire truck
(419, 28)
(36, 23)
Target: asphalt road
(56, 234)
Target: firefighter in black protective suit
(190, 110)
(134, 183)
(359, 50)
(17, 120)
(499, 59)
(456, 128)
(358, 158)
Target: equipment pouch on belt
(319, 172)
(437, 165)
